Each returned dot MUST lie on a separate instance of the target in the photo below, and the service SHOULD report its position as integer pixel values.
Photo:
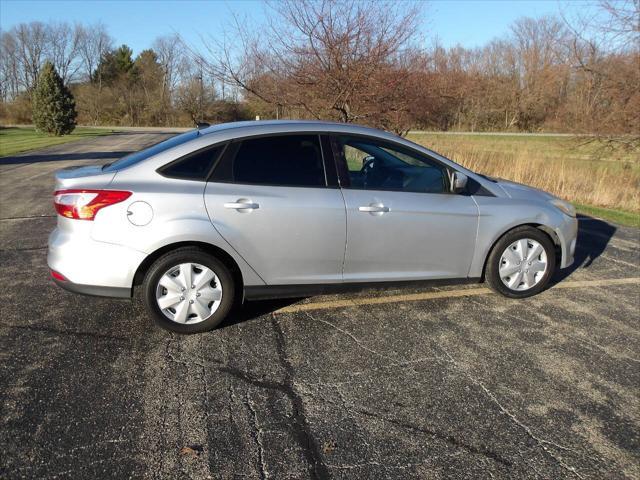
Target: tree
(114, 65)
(195, 96)
(346, 60)
(539, 45)
(9, 67)
(94, 43)
(63, 42)
(31, 41)
(170, 51)
(54, 108)
(148, 87)
(606, 54)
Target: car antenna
(201, 125)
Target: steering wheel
(367, 167)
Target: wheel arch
(553, 236)
(214, 250)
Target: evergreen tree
(114, 65)
(54, 108)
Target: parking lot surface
(450, 382)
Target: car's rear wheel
(521, 263)
(188, 291)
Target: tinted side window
(292, 160)
(374, 165)
(194, 166)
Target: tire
(527, 279)
(205, 302)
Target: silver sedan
(255, 210)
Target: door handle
(242, 205)
(374, 208)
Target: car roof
(258, 127)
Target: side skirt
(266, 292)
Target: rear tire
(521, 263)
(182, 308)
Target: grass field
(16, 140)
(600, 183)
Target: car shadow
(593, 237)
(251, 310)
(55, 157)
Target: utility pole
(200, 97)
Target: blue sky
(137, 23)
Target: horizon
(465, 23)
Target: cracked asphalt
(450, 382)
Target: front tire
(521, 263)
(188, 291)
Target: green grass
(18, 139)
(621, 217)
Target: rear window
(287, 160)
(149, 152)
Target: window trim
(224, 144)
(234, 146)
(343, 169)
(331, 174)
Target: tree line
(347, 60)
(161, 86)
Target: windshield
(136, 157)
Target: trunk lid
(91, 176)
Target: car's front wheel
(521, 263)
(188, 291)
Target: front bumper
(567, 234)
(91, 267)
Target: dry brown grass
(578, 173)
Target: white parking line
(414, 297)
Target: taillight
(85, 204)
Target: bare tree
(622, 22)
(31, 39)
(328, 58)
(63, 49)
(9, 67)
(170, 52)
(539, 49)
(94, 41)
(605, 53)
(196, 94)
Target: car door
(270, 199)
(402, 221)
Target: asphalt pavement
(450, 382)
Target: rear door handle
(242, 205)
(374, 208)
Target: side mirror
(458, 182)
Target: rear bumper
(91, 267)
(94, 290)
